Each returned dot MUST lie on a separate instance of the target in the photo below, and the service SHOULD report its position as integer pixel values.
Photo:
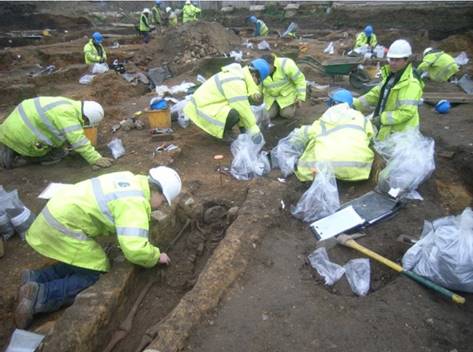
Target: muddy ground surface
(279, 303)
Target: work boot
(28, 275)
(228, 137)
(53, 157)
(28, 296)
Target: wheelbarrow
(342, 66)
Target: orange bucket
(91, 134)
(159, 118)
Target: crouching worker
(94, 52)
(38, 128)
(118, 203)
(222, 101)
(437, 65)
(342, 137)
(285, 87)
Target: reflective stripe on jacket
(68, 225)
(362, 39)
(261, 29)
(40, 124)
(286, 85)
(439, 65)
(144, 23)
(211, 102)
(156, 11)
(401, 109)
(91, 54)
(189, 13)
(342, 137)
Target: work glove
(164, 259)
(103, 163)
(101, 61)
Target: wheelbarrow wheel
(359, 79)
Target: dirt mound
(110, 88)
(458, 42)
(187, 42)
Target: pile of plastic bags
(289, 149)
(410, 161)
(444, 254)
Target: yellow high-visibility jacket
(342, 137)
(91, 54)
(362, 39)
(286, 85)
(144, 23)
(116, 203)
(190, 13)
(213, 100)
(157, 15)
(439, 65)
(401, 110)
(38, 125)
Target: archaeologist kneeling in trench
(38, 128)
(94, 52)
(222, 101)
(65, 230)
(285, 87)
(437, 65)
(342, 136)
(396, 98)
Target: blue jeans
(146, 36)
(61, 283)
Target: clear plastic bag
(330, 271)
(444, 254)
(410, 161)
(321, 199)
(248, 159)
(358, 274)
(86, 79)
(117, 148)
(264, 45)
(178, 109)
(24, 341)
(99, 68)
(262, 118)
(289, 149)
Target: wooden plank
(434, 97)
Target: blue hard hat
(97, 37)
(443, 106)
(341, 96)
(253, 19)
(158, 104)
(368, 30)
(158, 2)
(262, 67)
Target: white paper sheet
(52, 189)
(337, 223)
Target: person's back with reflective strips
(342, 137)
(112, 203)
(41, 124)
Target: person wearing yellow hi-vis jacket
(190, 12)
(222, 101)
(367, 37)
(67, 228)
(285, 87)
(342, 137)
(396, 99)
(38, 128)
(144, 26)
(94, 52)
(439, 66)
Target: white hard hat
(426, 51)
(167, 180)
(399, 49)
(168, 9)
(146, 10)
(93, 111)
(188, 2)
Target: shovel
(348, 241)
